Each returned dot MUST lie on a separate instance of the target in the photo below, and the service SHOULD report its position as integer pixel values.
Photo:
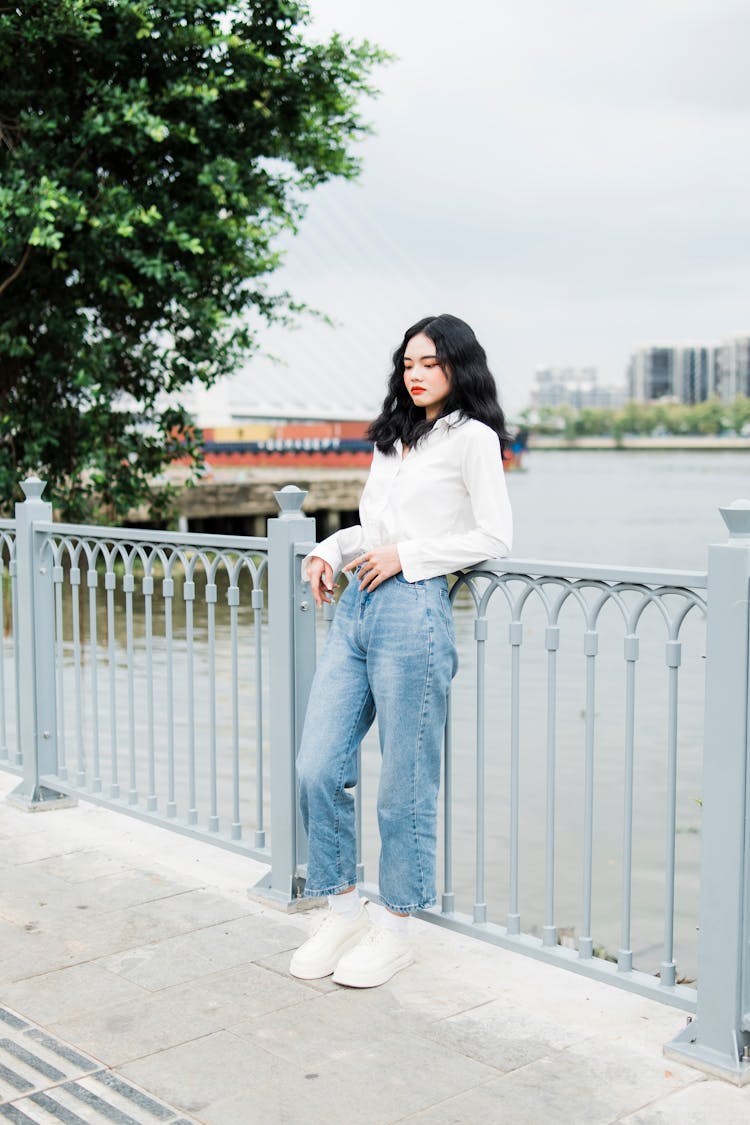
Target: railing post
(37, 718)
(718, 1040)
(291, 619)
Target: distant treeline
(711, 418)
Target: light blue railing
(167, 676)
(140, 680)
(523, 587)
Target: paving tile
(331, 1027)
(705, 1102)
(279, 963)
(500, 1035)
(8, 933)
(394, 1078)
(25, 897)
(30, 952)
(487, 1103)
(160, 964)
(175, 960)
(252, 936)
(86, 936)
(31, 1060)
(79, 865)
(193, 1075)
(91, 934)
(236, 995)
(438, 985)
(595, 1082)
(30, 847)
(69, 992)
(592, 1006)
(43, 1078)
(88, 1101)
(117, 891)
(193, 909)
(121, 1032)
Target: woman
(435, 501)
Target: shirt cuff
(329, 552)
(410, 566)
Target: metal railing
(108, 678)
(158, 691)
(551, 589)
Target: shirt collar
(448, 420)
(441, 424)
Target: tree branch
(8, 281)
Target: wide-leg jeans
(389, 653)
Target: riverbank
(669, 443)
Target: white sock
(396, 923)
(346, 905)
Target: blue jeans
(391, 652)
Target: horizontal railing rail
(687, 579)
(189, 540)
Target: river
(657, 509)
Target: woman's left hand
(376, 566)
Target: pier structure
(240, 500)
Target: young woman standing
(435, 501)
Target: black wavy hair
(472, 386)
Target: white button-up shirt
(445, 504)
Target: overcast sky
(570, 176)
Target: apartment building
(680, 372)
(733, 367)
(573, 386)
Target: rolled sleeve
(338, 549)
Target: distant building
(573, 386)
(680, 372)
(733, 367)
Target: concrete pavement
(141, 984)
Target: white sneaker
(374, 960)
(321, 953)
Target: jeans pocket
(446, 610)
(405, 581)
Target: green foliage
(151, 152)
(709, 418)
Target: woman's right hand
(320, 577)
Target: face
(425, 379)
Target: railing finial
(33, 487)
(737, 519)
(290, 500)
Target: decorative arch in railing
(672, 603)
(130, 565)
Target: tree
(739, 413)
(152, 152)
